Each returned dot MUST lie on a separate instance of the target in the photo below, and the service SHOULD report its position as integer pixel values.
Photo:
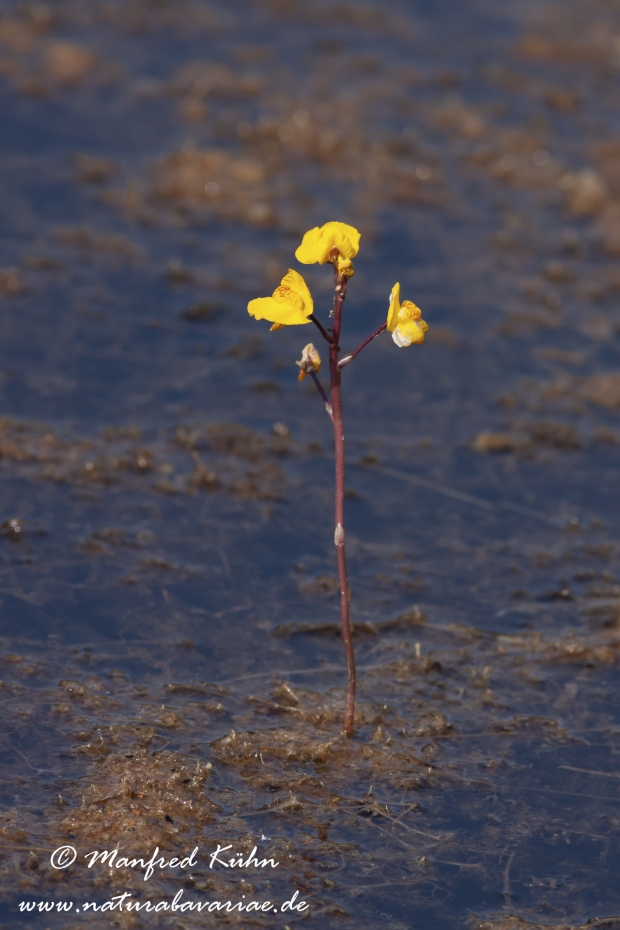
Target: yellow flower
(405, 320)
(310, 361)
(318, 243)
(291, 304)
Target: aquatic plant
(291, 305)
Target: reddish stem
(349, 358)
(324, 396)
(323, 331)
(340, 284)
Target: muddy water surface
(171, 671)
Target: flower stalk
(323, 395)
(340, 286)
(326, 336)
(349, 358)
(292, 305)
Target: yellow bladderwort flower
(405, 320)
(291, 304)
(310, 361)
(317, 244)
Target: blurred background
(166, 559)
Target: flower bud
(310, 361)
(345, 267)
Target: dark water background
(166, 560)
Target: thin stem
(323, 331)
(324, 397)
(349, 358)
(340, 284)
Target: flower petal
(409, 311)
(284, 312)
(290, 305)
(408, 333)
(394, 308)
(317, 243)
(400, 340)
(344, 237)
(296, 283)
(308, 251)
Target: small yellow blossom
(405, 320)
(310, 361)
(291, 304)
(317, 244)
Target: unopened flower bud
(310, 361)
(345, 267)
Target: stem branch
(324, 397)
(323, 331)
(349, 358)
